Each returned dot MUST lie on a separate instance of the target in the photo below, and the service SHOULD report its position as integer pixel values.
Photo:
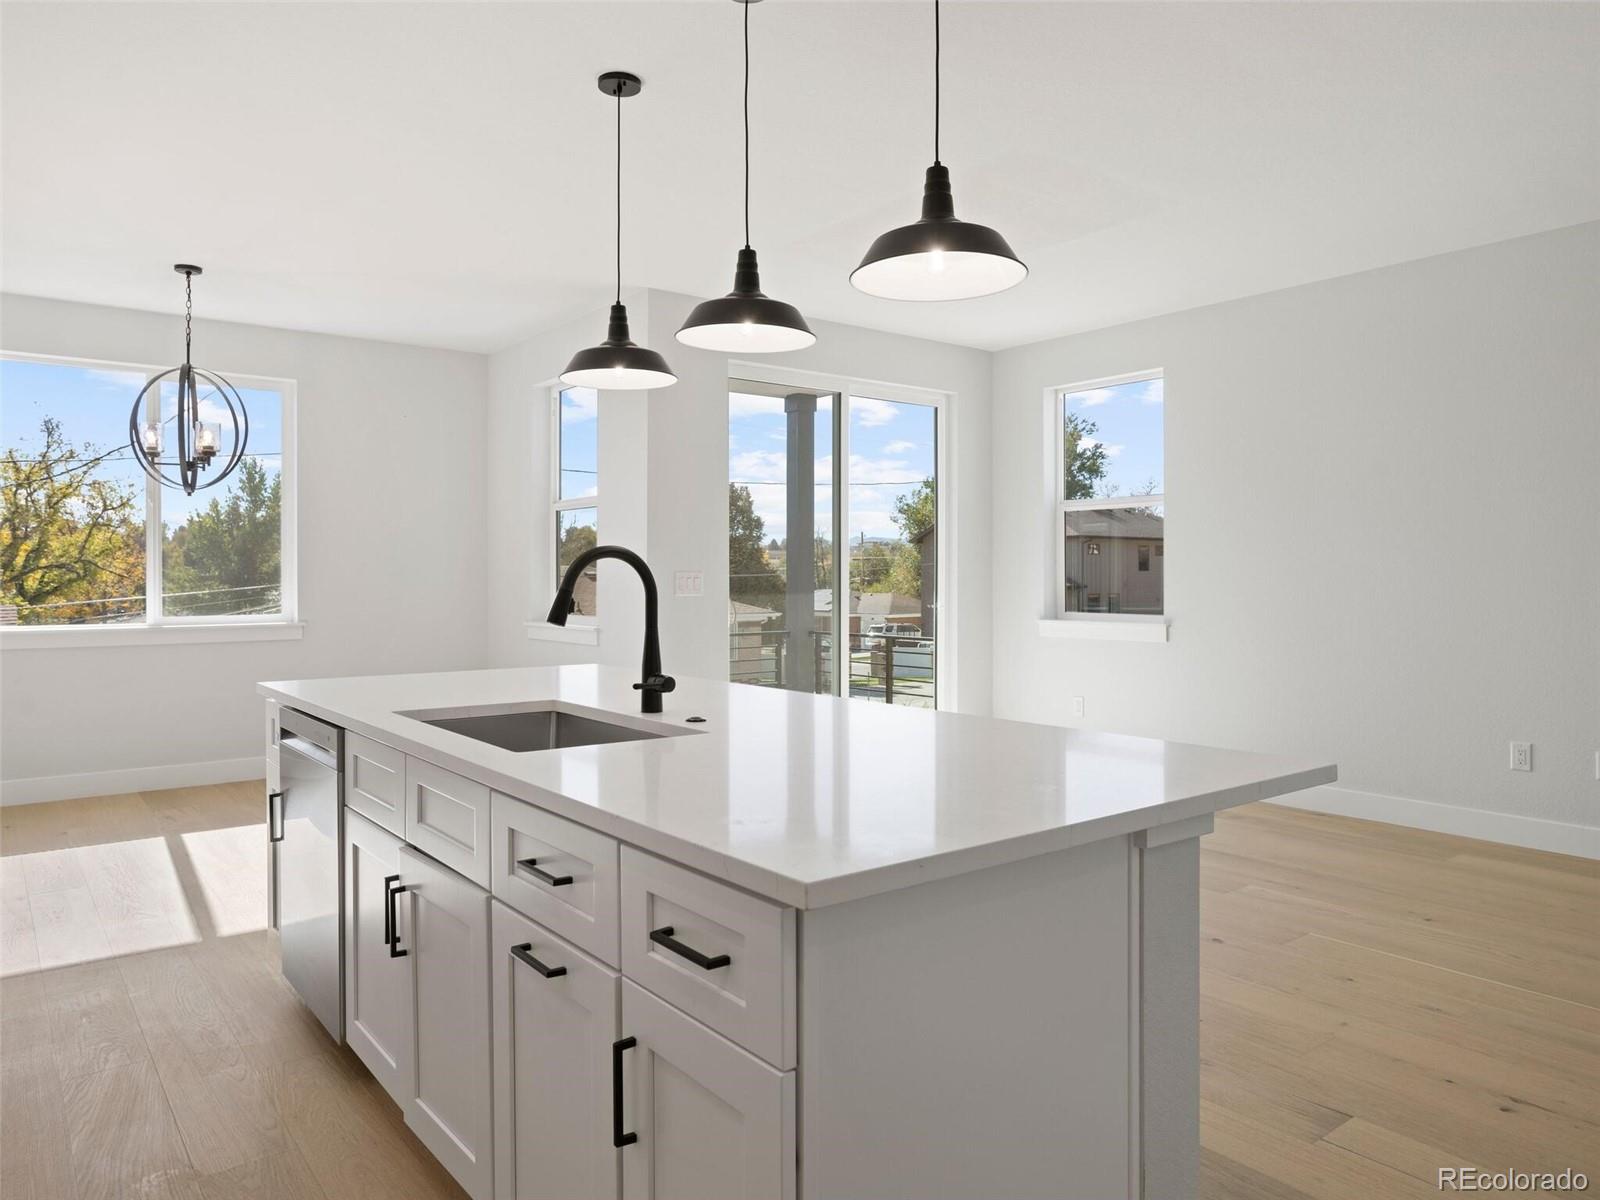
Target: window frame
(844, 388)
(157, 626)
(559, 506)
(1062, 622)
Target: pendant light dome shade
(746, 321)
(939, 257)
(616, 364)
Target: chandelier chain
(188, 315)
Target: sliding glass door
(833, 541)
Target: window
(577, 488)
(1112, 497)
(87, 539)
(849, 605)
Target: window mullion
(153, 614)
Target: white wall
(1383, 513)
(673, 502)
(391, 552)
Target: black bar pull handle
(706, 962)
(391, 918)
(274, 816)
(528, 865)
(619, 1139)
(524, 952)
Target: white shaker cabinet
(712, 1121)
(377, 965)
(555, 1020)
(449, 1108)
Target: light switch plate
(689, 583)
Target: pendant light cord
(188, 314)
(618, 91)
(935, 82)
(746, 8)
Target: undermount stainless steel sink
(531, 727)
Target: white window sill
(572, 634)
(83, 637)
(1111, 627)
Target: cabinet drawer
(557, 872)
(447, 818)
(375, 782)
(678, 927)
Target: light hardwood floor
(1376, 1003)
(148, 1046)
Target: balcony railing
(896, 668)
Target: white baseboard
(1506, 828)
(133, 779)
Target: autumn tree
(66, 535)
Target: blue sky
(92, 404)
(1128, 421)
(892, 449)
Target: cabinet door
(377, 983)
(450, 1103)
(714, 1122)
(552, 1065)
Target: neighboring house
(1115, 560)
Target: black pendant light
(938, 258)
(198, 441)
(616, 364)
(745, 321)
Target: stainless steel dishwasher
(304, 822)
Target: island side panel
(971, 1037)
(1168, 1102)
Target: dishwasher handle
(274, 816)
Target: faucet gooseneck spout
(653, 682)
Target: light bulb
(936, 262)
(150, 435)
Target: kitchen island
(766, 944)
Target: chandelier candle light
(199, 441)
(746, 320)
(616, 364)
(939, 257)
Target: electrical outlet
(689, 583)
(1522, 756)
(1077, 706)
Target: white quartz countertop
(809, 800)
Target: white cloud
(1093, 397)
(870, 413)
(758, 466)
(864, 470)
(899, 447)
(1112, 451)
(743, 404)
(1154, 392)
(579, 405)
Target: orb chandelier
(199, 395)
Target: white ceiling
(441, 173)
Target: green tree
(916, 512)
(749, 573)
(229, 552)
(67, 536)
(1083, 457)
(575, 539)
